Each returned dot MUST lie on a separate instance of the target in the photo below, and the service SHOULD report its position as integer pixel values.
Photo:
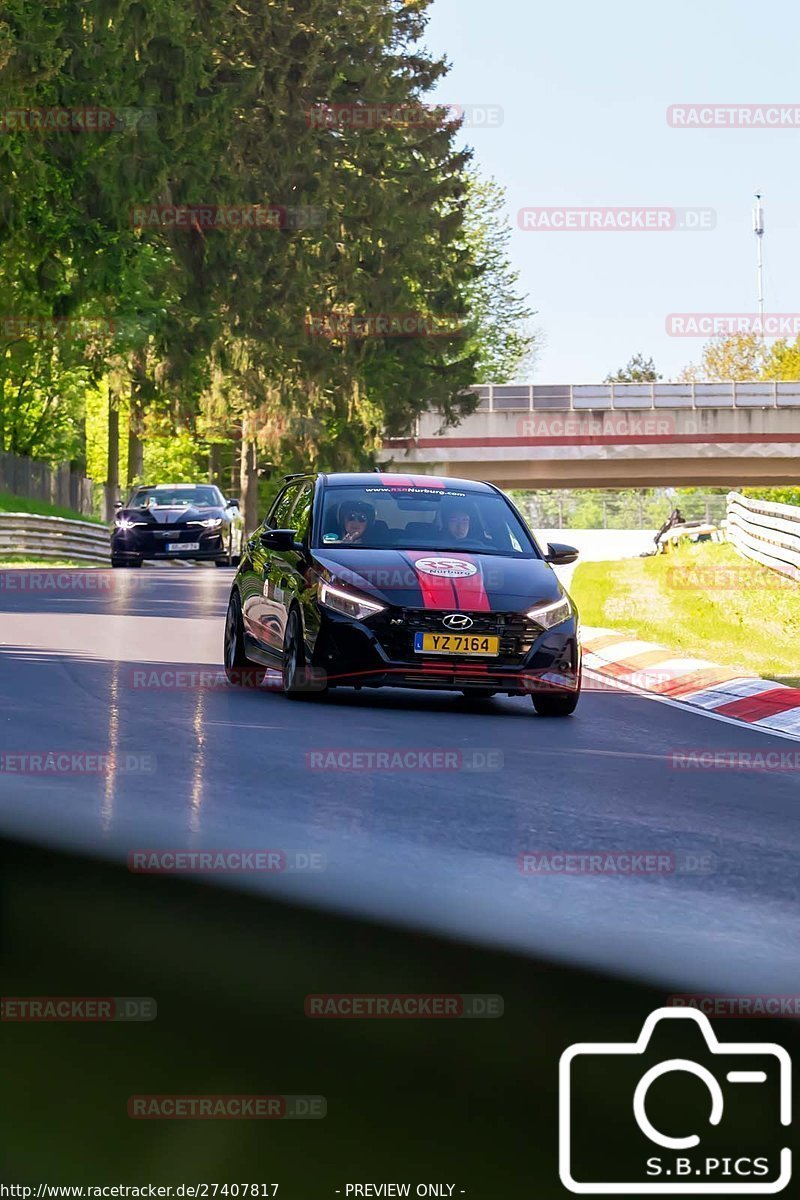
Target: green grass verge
(9, 503)
(704, 601)
(23, 560)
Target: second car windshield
(418, 518)
(177, 497)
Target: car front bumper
(364, 654)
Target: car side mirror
(560, 554)
(231, 503)
(278, 539)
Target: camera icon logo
(674, 1125)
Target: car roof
(400, 479)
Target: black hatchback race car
(177, 521)
(374, 580)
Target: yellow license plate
(456, 643)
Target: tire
(548, 705)
(238, 669)
(126, 562)
(222, 562)
(298, 677)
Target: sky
(584, 90)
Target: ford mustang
(374, 580)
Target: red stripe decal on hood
(464, 592)
(437, 592)
(471, 589)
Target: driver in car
(457, 523)
(354, 523)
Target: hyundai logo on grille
(458, 621)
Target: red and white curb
(628, 664)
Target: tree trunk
(215, 465)
(112, 474)
(136, 420)
(248, 480)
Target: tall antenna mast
(758, 230)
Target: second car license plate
(182, 546)
(456, 643)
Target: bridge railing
(578, 397)
(766, 532)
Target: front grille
(517, 634)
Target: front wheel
(238, 668)
(549, 705)
(299, 681)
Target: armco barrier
(766, 532)
(53, 538)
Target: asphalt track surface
(430, 848)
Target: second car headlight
(350, 604)
(552, 613)
(212, 523)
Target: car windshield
(421, 518)
(203, 496)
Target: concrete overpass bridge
(614, 435)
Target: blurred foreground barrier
(53, 537)
(209, 988)
(766, 532)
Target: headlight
(212, 523)
(127, 523)
(548, 615)
(348, 603)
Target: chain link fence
(632, 508)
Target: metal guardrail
(580, 397)
(766, 532)
(54, 538)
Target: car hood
(439, 580)
(170, 516)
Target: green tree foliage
(638, 369)
(740, 357)
(223, 104)
(500, 316)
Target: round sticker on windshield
(446, 568)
